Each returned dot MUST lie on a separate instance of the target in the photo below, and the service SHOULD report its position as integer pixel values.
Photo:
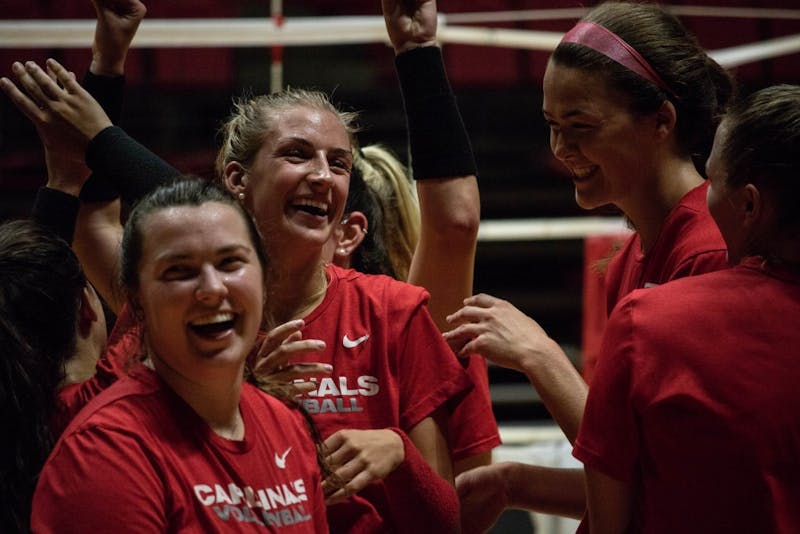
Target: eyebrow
(568, 115)
(303, 141)
(177, 256)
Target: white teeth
(211, 319)
(583, 171)
(312, 203)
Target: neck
(215, 400)
(294, 290)
(81, 366)
(648, 207)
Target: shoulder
(383, 289)
(133, 403)
(678, 302)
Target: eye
(178, 272)
(232, 263)
(341, 164)
(295, 154)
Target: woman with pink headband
(632, 102)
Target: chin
(586, 202)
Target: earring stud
(241, 197)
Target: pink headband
(612, 46)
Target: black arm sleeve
(57, 211)
(109, 92)
(128, 166)
(438, 142)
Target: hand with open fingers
(483, 494)
(500, 332)
(280, 345)
(60, 93)
(410, 23)
(64, 146)
(117, 22)
(360, 457)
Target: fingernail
(328, 367)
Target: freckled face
(200, 290)
(300, 178)
(595, 136)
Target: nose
(211, 286)
(320, 173)
(561, 145)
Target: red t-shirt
(391, 368)
(121, 353)
(471, 427)
(139, 459)
(695, 402)
(689, 244)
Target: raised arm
(441, 160)
(117, 22)
(98, 230)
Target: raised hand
(60, 93)
(117, 22)
(360, 457)
(496, 329)
(279, 346)
(64, 146)
(410, 23)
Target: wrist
(410, 45)
(506, 472)
(104, 66)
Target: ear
(353, 231)
(666, 119)
(753, 208)
(87, 314)
(235, 176)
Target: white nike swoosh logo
(280, 461)
(350, 343)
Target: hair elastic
(611, 45)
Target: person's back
(692, 423)
(714, 392)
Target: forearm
(444, 260)
(98, 234)
(547, 490)
(57, 210)
(560, 386)
(428, 438)
(130, 167)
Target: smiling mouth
(317, 209)
(213, 324)
(583, 172)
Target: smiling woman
(286, 157)
(632, 100)
(204, 451)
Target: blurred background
(176, 97)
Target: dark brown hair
(701, 87)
